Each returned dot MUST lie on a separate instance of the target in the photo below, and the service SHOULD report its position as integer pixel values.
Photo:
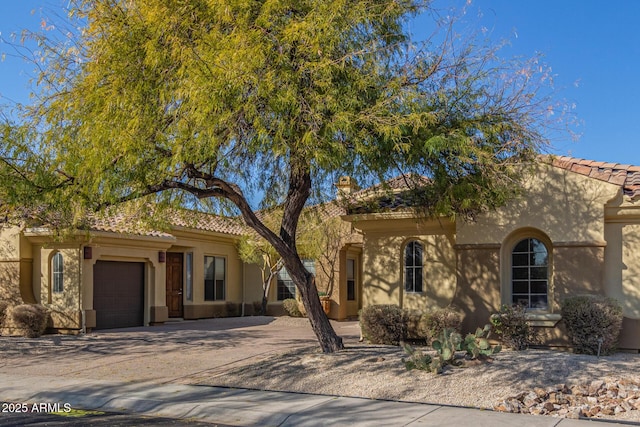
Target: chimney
(346, 185)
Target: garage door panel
(118, 294)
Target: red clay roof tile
(624, 175)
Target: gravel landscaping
(377, 372)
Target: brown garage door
(118, 294)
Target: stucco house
(119, 273)
(575, 230)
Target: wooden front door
(174, 283)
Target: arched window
(57, 272)
(530, 274)
(413, 267)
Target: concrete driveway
(170, 353)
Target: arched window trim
(413, 266)
(57, 273)
(507, 248)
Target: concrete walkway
(242, 407)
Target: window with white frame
(351, 279)
(57, 273)
(413, 267)
(530, 274)
(214, 278)
(286, 288)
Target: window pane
(539, 258)
(408, 255)
(520, 273)
(189, 284)
(538, 247)
(520, 259)
(208, 290)
(408, 279)
(209, 293)
(351, 269)
(520, 287)
(539, 302)
(418, 280)
(520, 300)
(417, 254)
(57, 273)
(538, 286)
(351, 290)
(522, 247)
(539, 273)
(310, 265)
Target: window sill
(546, 320)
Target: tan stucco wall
(65, 305)
(113, 247)
(15, 267)
(478, 291)
(206, 244)
(566, 206)
(382, 266)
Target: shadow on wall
(567, 207)
(10, 274)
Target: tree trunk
(263, 309)
(327, 337)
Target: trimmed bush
(291, 307)
(30, 319)
(510, 325)
(416, 325)
(592, 322)
(432, 324)
(383, 324)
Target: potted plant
(325, 300)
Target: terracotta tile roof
(393, 194)
(130, 223)
(207, 222)
(626, 176)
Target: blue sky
(592, 47)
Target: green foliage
(477, 345)
(419, 360)
(164, 98)
(207, 104)
(292, 307)
(593, 323)
(443, 318)
(428, 325)
(383, 324)
(511, 326)
(448, 342)
(30, 319)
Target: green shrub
(31, 319)
(291, 307)
(383, 324)
(593, 323)
(510, 325)
(432, 324)
(414, 324)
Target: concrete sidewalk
(242, 407)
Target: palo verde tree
(227, 101)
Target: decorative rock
(594, 399)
